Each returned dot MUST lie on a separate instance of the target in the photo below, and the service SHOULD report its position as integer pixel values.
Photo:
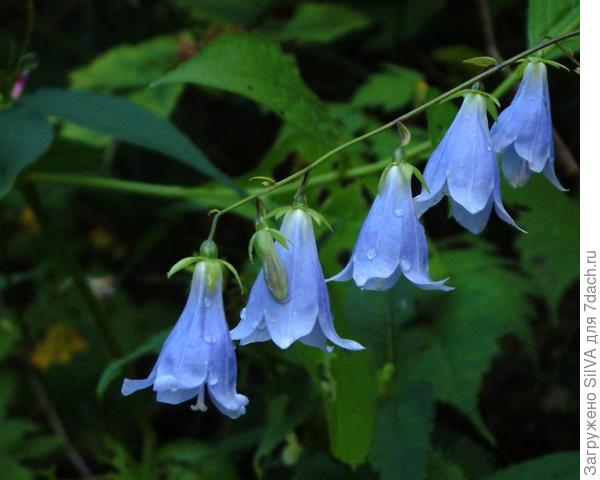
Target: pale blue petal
(296, 317)
(515, 169)
(550, 174)
(317, 339)
(414, 260)
(474, 222)
(472, 159)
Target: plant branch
(392, 123)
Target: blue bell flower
(523, 132)
(305, 314)
(391, 242)
(463, 166)
(198, 354)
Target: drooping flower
(198, 354)
(305, 314)
(19, 85)
(523, 132)
(391, 242)
(463, 166)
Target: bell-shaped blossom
(391, 242)
(305, 314)
(523, 132)
(463, 166)
(198, 354)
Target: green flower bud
(209, 249)
(273, 270)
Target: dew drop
(371, 253)
(398, 212)
(207, 302)
(262, 326)
(213, 379)
(243, 314)
(405, 263)
(210, 338)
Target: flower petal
(516, 170)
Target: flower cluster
(289, 300)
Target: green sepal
(232, 269)
(551, 63)
(183, 264)
(409, 170)
(278, 212)
(279, 238)
(251, 247)
(467, 91)
(318, 218)
(483, 61)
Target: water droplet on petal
(213, 379)
(405, 263)
(262, 326)
(207, 302)
(243, 314)
(371, 253)
(360, 280)
(398, 212)
(208, 338)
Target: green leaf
(454, 349)
(552, 18)
(401, 440)
(322, 22)
(228, 12)
(390, 90)
(351, 406)
(255, 67)
(24, 137)
(124, 121)
(549, 251)
(189, 459)
(440, 468)
(439, 117)
(129, 66)
(278, 424)
(115, 368)
(481, 61)
(556, 466)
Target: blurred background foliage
(107, 182)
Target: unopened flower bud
(273, 269)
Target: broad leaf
(115, 368)
(351, 406)
(24, 137)
(556, 466)
(455, 347)
(322, 22)
(255, 67)
(401, 440)
(129, 66)
(389, 90)
(440, 468)
(124, 121)
(550, 249)
(552, 18)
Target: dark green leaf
(255, 67)
(549, 250)
(115, 368)
(455, 348)
(401, 440)
(322, 22)
(351, 406)
(440, 468)
(552, 18)
(557, 466)
(390, 90)
(439, 117)
(124, 121)
(24, 137)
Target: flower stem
(401, 118)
